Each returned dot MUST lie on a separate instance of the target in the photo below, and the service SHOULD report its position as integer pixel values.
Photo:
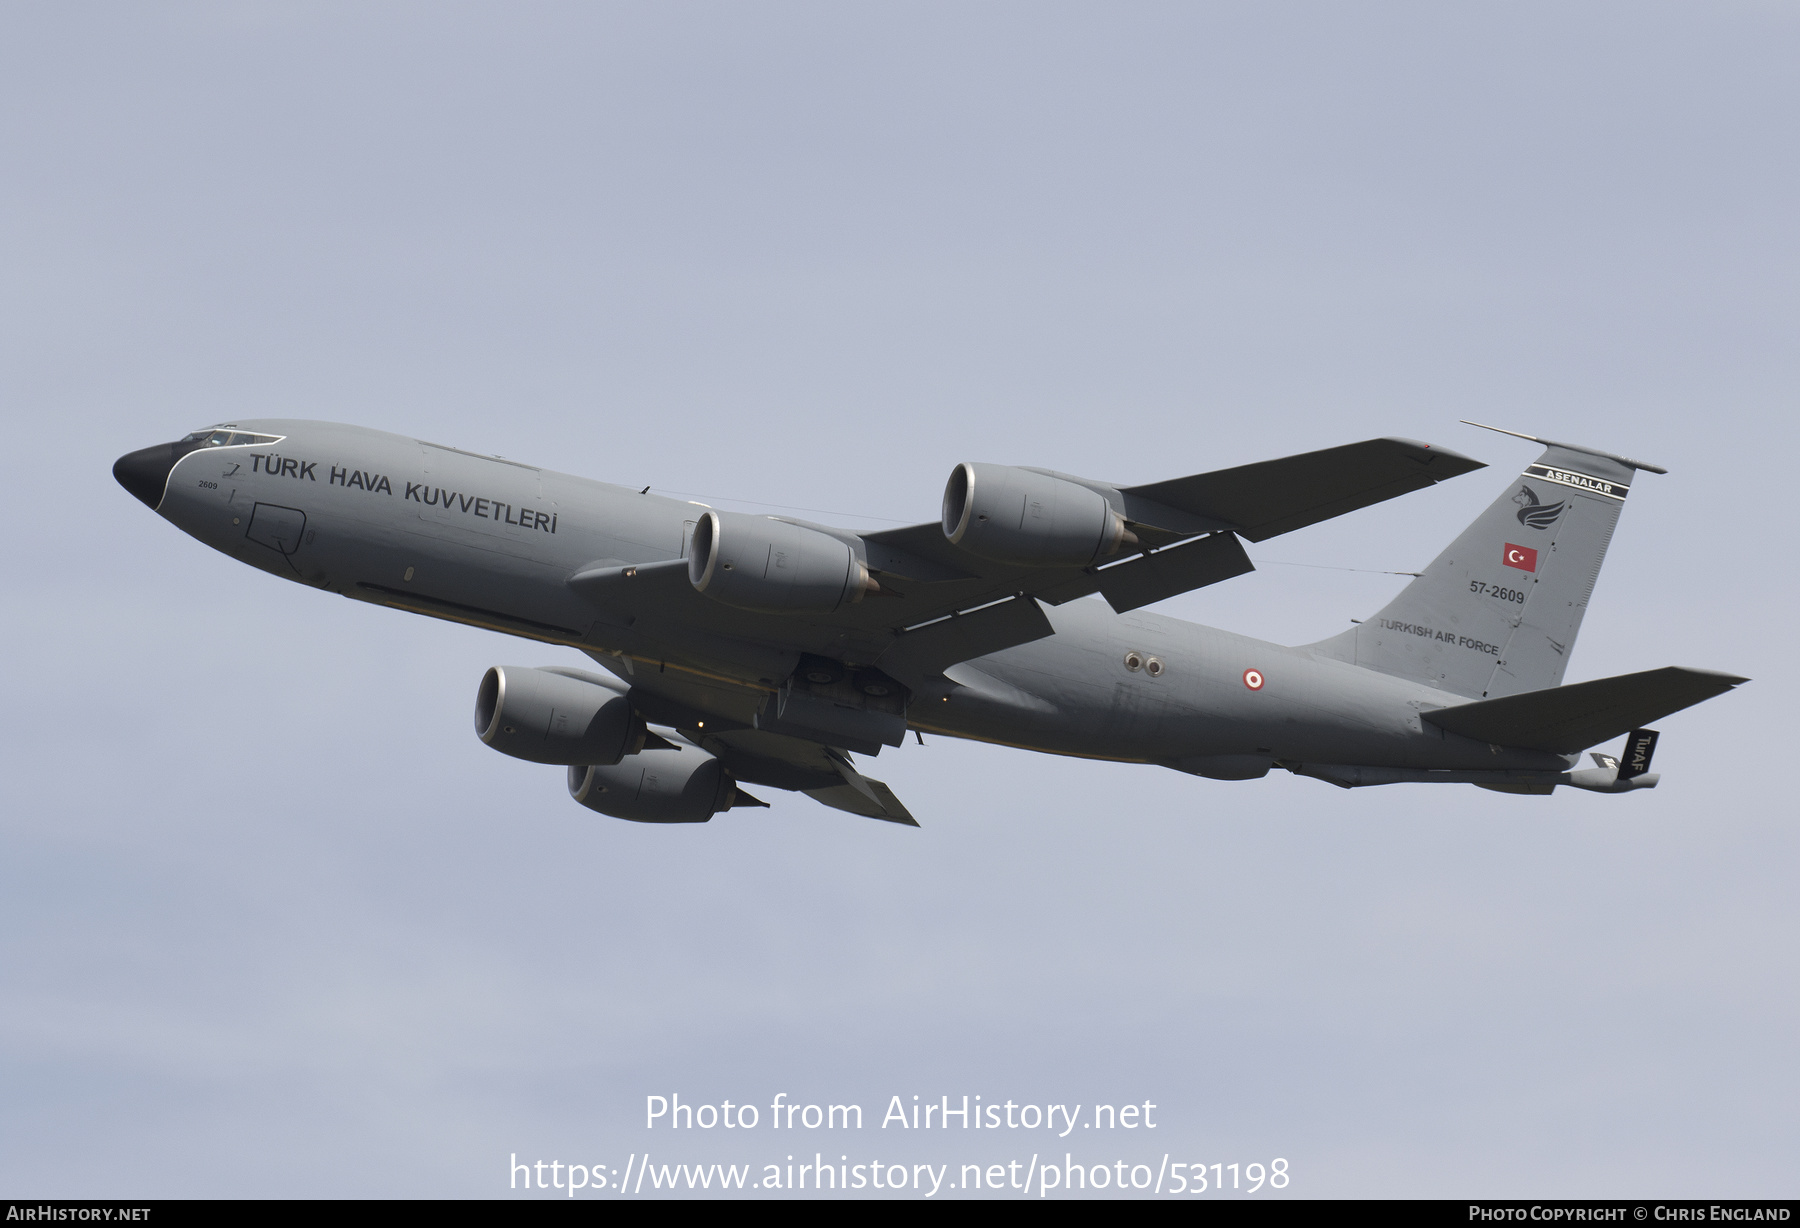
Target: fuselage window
(221, 438)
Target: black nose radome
(145, 473)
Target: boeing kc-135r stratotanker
(762, 650)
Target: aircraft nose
(145, 473)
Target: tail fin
(1497, 613)
(1640, 746)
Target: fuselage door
(279, 528)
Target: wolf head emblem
(1534, 515)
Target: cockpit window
(224, 437)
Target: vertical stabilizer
(1497, 613)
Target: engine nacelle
(657, 786)
(1029, 519)
(759, 563)
(555, 716)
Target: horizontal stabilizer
(1279, 496)
(1568, 719)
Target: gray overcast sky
(273, 922)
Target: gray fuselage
(493, 543)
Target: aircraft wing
(822, 772)
(1189, 525)
(1270, 498)
(940, 604)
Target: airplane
(738, 649)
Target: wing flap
(1568, 719)
(799, 765)
(1178, 569)
(774, 759)
(878, 803)
(925, 652)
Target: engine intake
(768, 565)
(657, 786)
(555, 716)
(1029, 519)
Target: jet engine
(760, 563)
(555, 716)
(1029, 519)
(658, 786)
